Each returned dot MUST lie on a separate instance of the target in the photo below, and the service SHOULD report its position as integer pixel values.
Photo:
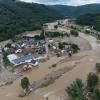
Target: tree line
(18, 17)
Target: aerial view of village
(56, 60)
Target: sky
(64, 2)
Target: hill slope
(90, 19)
(75, 11)
(17, 17)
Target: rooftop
(23, 59)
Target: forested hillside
(17, 17)
(90, 19)
(75, 11)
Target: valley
(49, 50)
(84, 62)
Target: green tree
(8, 45)
(61, 46)
(56, 26)
(97, 95)
(74, 32)
(59, 23)
(18, 17)
(92, 81)
(98, 67)
(25, 83)
(42, 35)
(75, 90)
(75, 48)
(5, 58)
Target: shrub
(56, 26)
(97, 95)
(92, 81)
(75, 48)
(25, 83)
(53, 34)
(54, 65)
(42, 35)
(74, 32)
(61, 45)
(73, 27)
(87, 31)
(37, 37)
(5, 58)
(98, 67)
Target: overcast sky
(67, 2)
